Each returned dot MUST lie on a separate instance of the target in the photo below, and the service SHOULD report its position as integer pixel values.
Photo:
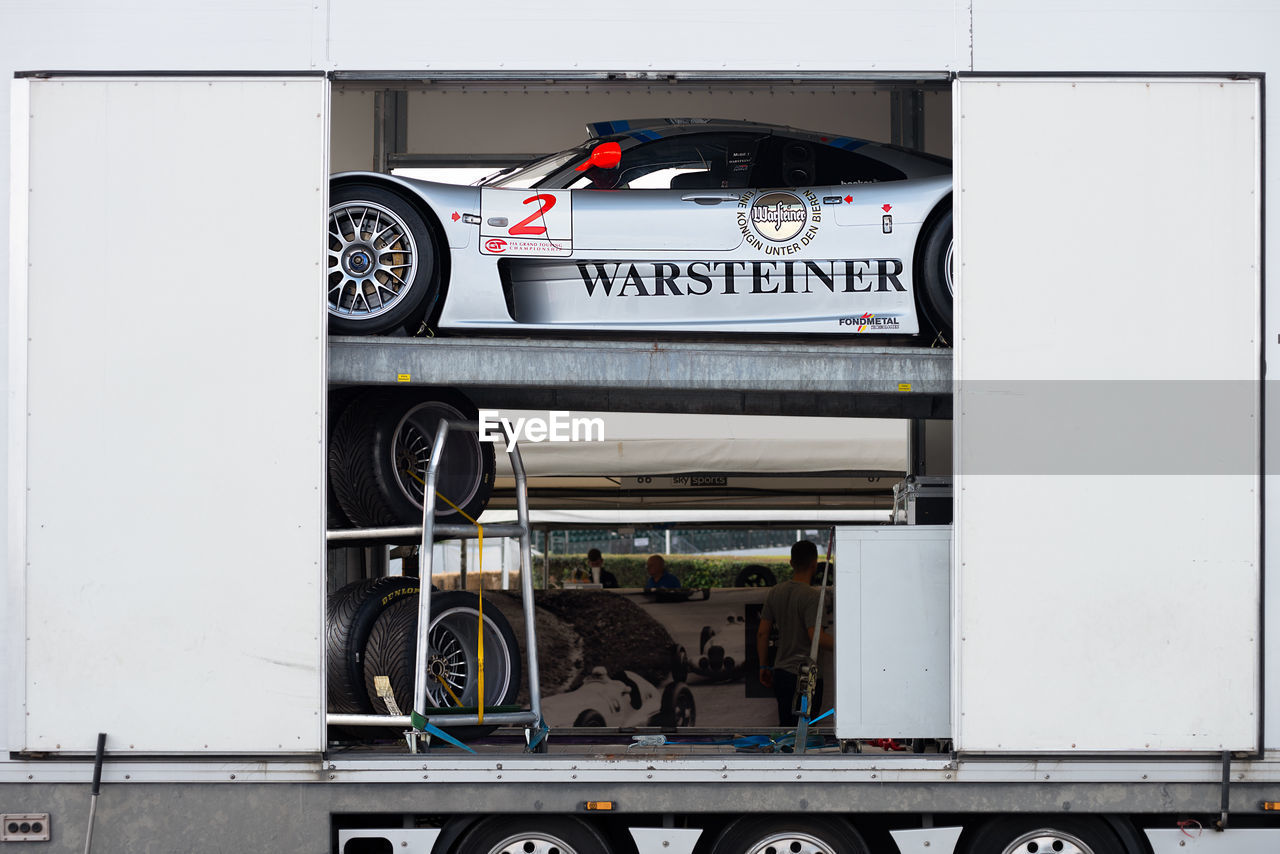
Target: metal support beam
(817, 377)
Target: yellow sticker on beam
(904, 386)
(403, 378)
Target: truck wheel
(350, 614)
(380, 449)
(382, 262)
(532, 835)
(800, 835)
(1057, 834)
(677, 706)
(935, 270)
(452, 661)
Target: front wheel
(798, 835)
(383, 269)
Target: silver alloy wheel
(790, 842)
(373, 259)
(460, 467)
(454, 640)
(1047, 841)
(947, 265)
(532, 843)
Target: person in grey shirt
(793, 607)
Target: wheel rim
(684, 714)
(1047, 841)
(948, 264)
(459, 474)
(373, 260)
(453, 661)
(791, 842)
(532, 843)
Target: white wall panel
(173, 407)
(869, 35)
(1161, 35)
(1107, 427)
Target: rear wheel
(755, 575)
(677, 706)
(935, 270)
(383, 262)
(789, 835)
(532, 835)
(1045, 835)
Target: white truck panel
(1107, 366)
(893, 631)
(664, 35)
(173, 399)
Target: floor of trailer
(696, 742)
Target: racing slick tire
(338, 400)
(350, 614)
(380, 449)
(383, 262)
(804, 834)
(755, 575)
(392, 648)
(1062, 834)
(677, 706)
(934, 270)
(538, 834)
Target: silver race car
(660, 225)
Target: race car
(622, 699)
(658, 225)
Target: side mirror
(606, 155)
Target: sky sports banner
(858, 295)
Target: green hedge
(692, 570)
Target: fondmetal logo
(868, 320)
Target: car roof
(650, 129)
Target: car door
(676, 194)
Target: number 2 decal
(545, 203)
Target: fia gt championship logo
(779, 222)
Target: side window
(703, 161)
(789, 162)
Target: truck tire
(454, 619)
(532, 835)
(380, 449)
(1057, 834)
(350, 615)
(383, 262)
(792, 834)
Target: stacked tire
(372, 631)
(380, 447)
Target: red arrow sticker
(886, 208)
(456, 216)
(848, 199)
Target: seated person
(659, 578)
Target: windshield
(530, 174)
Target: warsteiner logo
(778, 216)
(868, 320)
(779, 222)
